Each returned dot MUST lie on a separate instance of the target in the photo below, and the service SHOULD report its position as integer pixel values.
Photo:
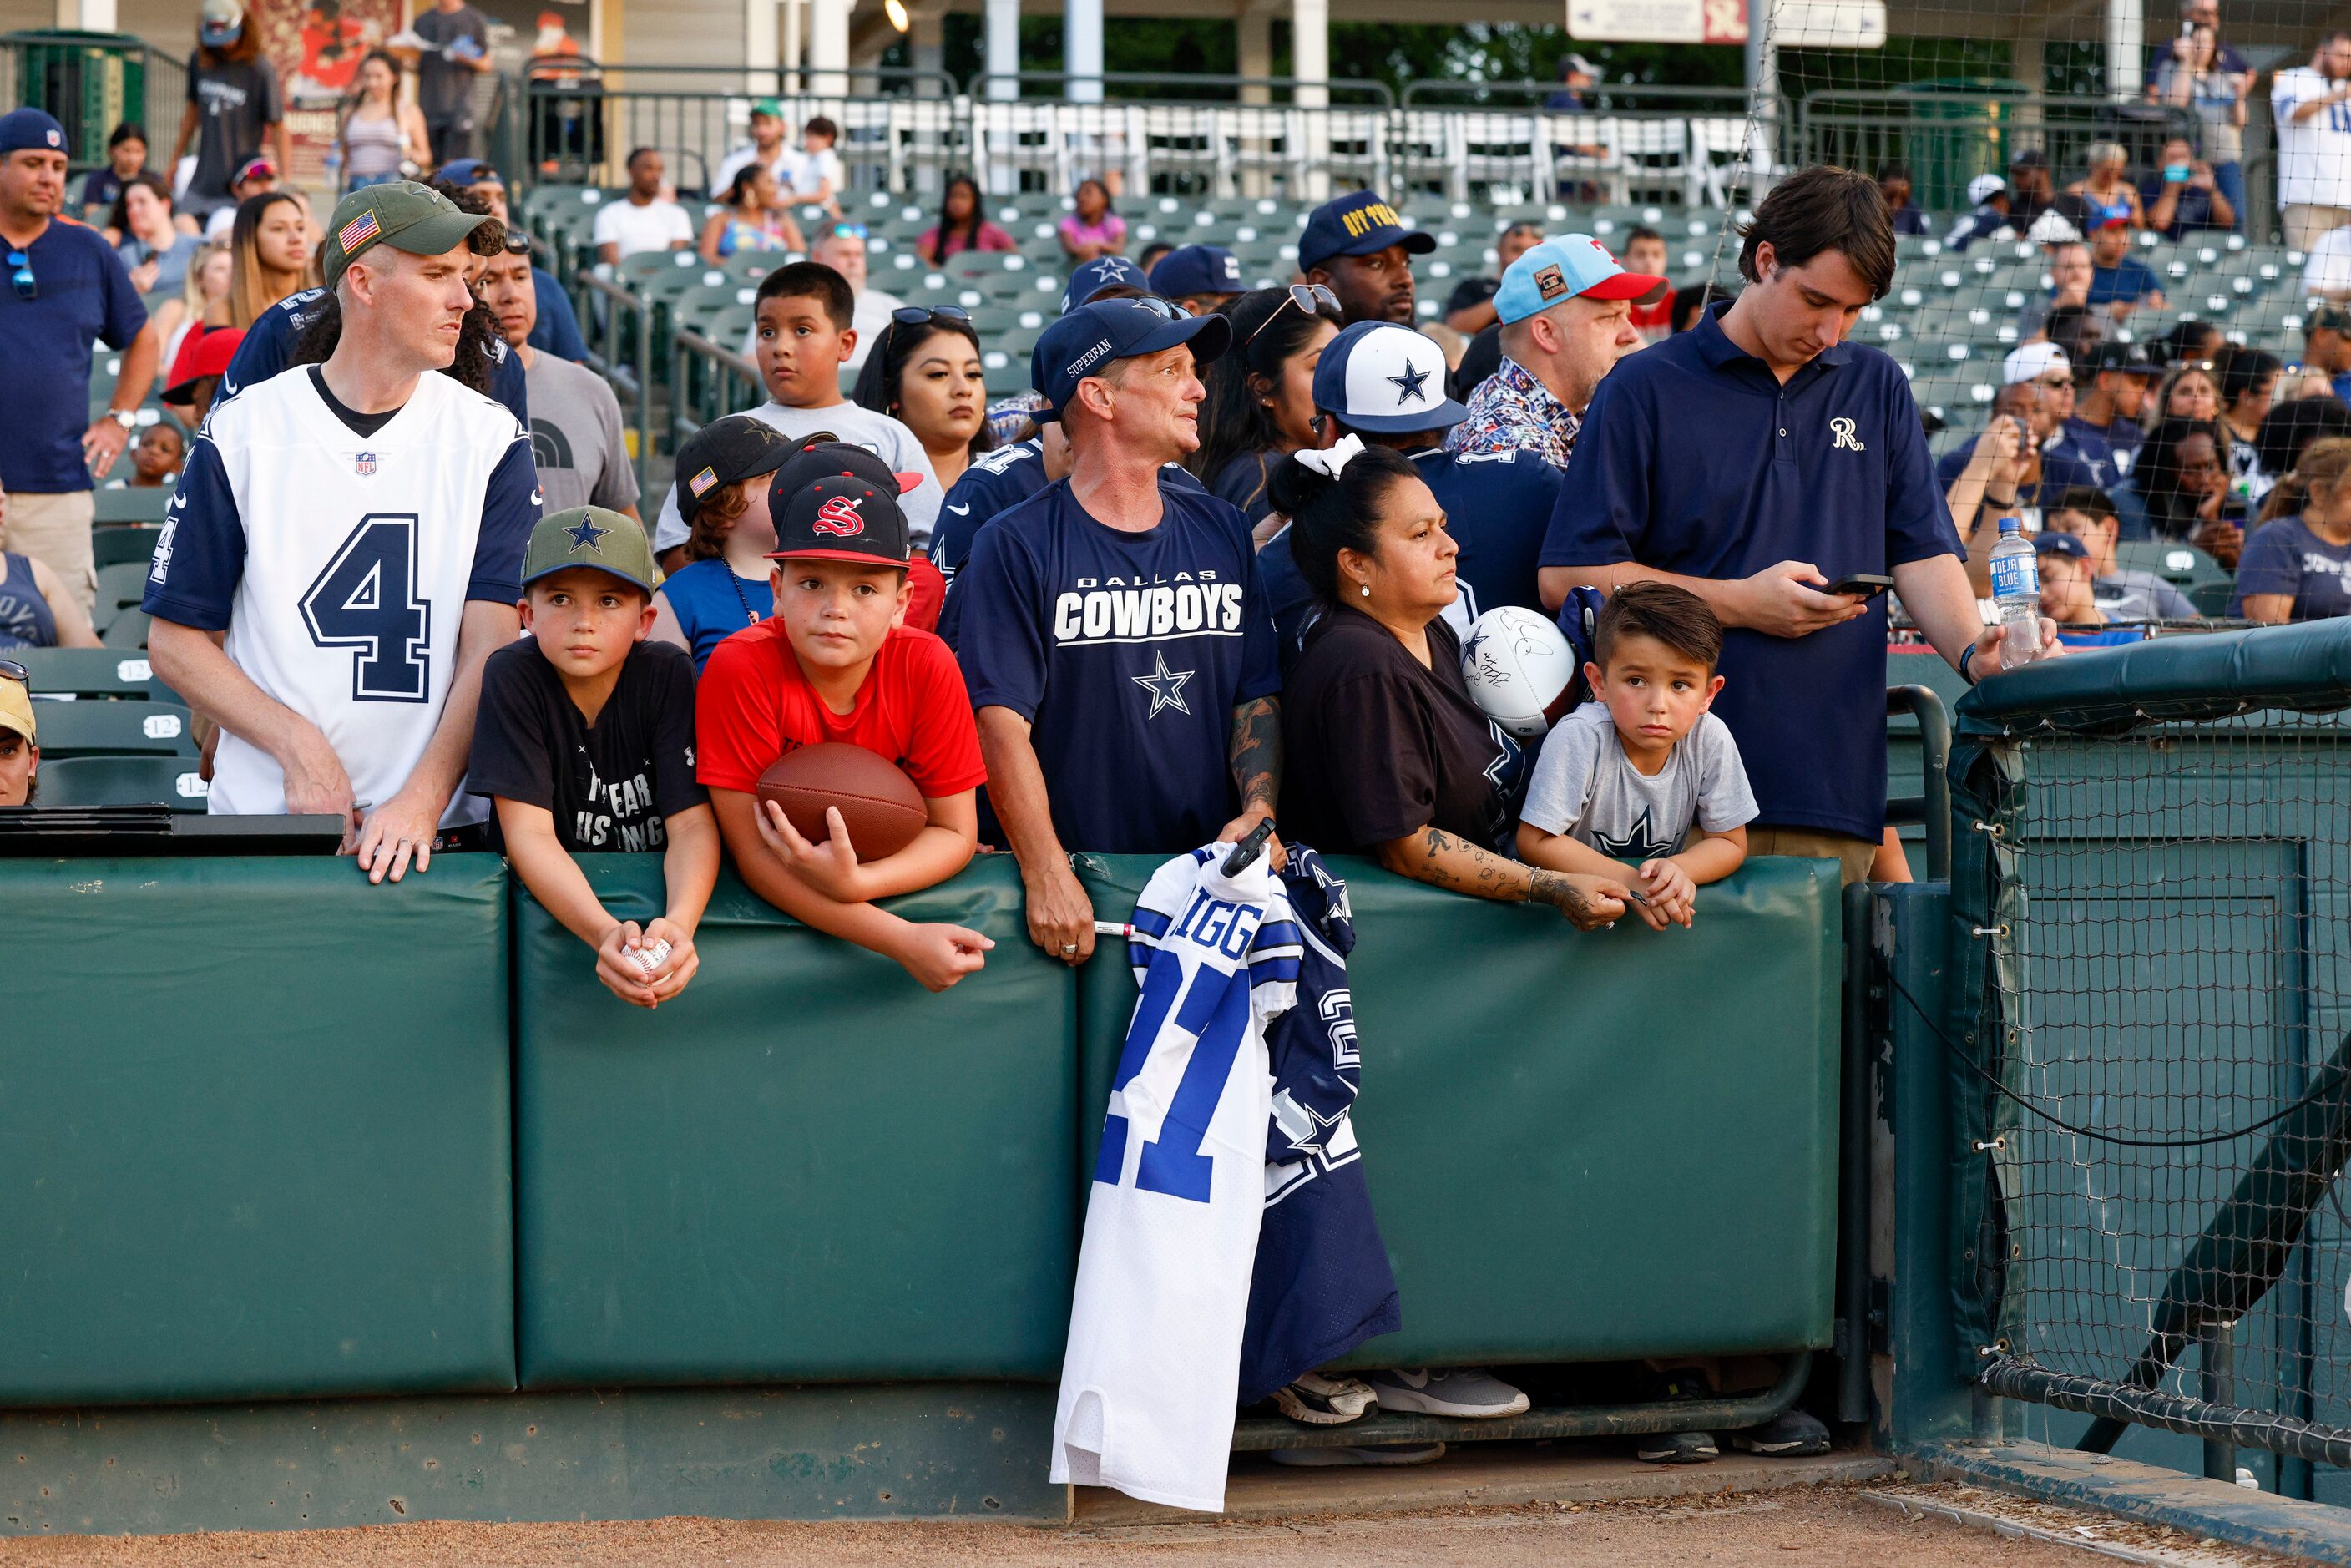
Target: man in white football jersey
(344, 551)
(2312, 104)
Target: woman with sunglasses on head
(750, 219)
(925, 374)
(963, 225)
(2189, 391)
(1260, 403)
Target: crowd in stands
(1223, 562)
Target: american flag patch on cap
(701, 483)
(357, 232)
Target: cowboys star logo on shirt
(1640, 841)
(1166, 685)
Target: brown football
(879, 804)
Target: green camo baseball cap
(589, 535)
(402, 215)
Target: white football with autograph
(1519, 669)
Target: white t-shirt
(2328, 270)
(741, 158)
(1586, 787)
(2313, 157)
(656, 226)
(809, 172)
(877, 433)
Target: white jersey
(339, 566)
(2315, 156)
(1154, 1360)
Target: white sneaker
(1466, 1391)
(1319, 1399)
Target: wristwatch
(127, 418)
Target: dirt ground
(1819, 1527)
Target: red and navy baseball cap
(1357, 224)
(840, 516)
(1083, 344)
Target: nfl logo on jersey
(364, 463)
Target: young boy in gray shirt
(1644, 772)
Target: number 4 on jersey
(366, 600)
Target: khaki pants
(2305, 224)
(1853, 856)
(55, 529)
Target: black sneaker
(1682, 1383)
(1790, 1435)
(1319, 1399)
(1676, 1449)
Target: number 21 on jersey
(366, 600)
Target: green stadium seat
(2212, 598)
(90, 673)
(130, 506)
(170, 781)
(2180, 563)
(110, 545)
(125, 582)
(115, 729)
(127, 631)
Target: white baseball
(650, 958)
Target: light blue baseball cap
(1567, 267)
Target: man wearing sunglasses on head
(1114, 635)
(67, 291)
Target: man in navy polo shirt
(1357, 248)
(1755, 460)
(1114, 634)
(1375, 380)
(67, 290)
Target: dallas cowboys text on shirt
(1128, 610)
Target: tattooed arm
(1441, 860)
(1257, 770)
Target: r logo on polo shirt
(1842, 429)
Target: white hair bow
(1332, 461)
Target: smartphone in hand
(1861, 584)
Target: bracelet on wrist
(1966, 657)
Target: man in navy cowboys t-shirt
(1114, 635)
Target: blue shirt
(2286, 557)
(1498, 508)
(2121, 440)
(262, 353)
(85, 297)
(558, 331)
(2061, 467)
(712, 604)
(1242, 482)
(1127, 653)
(2128, 282)
(1694, 459)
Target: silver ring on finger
(1069, 947)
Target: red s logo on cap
(839, 516)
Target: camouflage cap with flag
(592, 536)
(401, 214)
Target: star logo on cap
(1166, 685)
(585, 533)
(1410, 384)
(1117, 268)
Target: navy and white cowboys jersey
(1149, 1381)
(339, 565)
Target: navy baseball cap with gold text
(1357, 224)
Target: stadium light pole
(1763, 69)
(2126, 47)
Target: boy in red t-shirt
(834, 662)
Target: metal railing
(1949, 137)
(84, 58)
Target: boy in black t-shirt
(585, 739)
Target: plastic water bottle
(2016, 590)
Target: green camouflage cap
(589, 535)
(402, 215)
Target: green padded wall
(806, 1167)
(1580, 1148)
(253, 1131)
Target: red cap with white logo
(840, 517)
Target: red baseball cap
(840, 517)
(201, 354)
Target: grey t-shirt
(2140, 596)
(444, 88)
(575, 434)
(1586, 787)
(877, 433)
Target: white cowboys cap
(2028, 361)
(1388, 380)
